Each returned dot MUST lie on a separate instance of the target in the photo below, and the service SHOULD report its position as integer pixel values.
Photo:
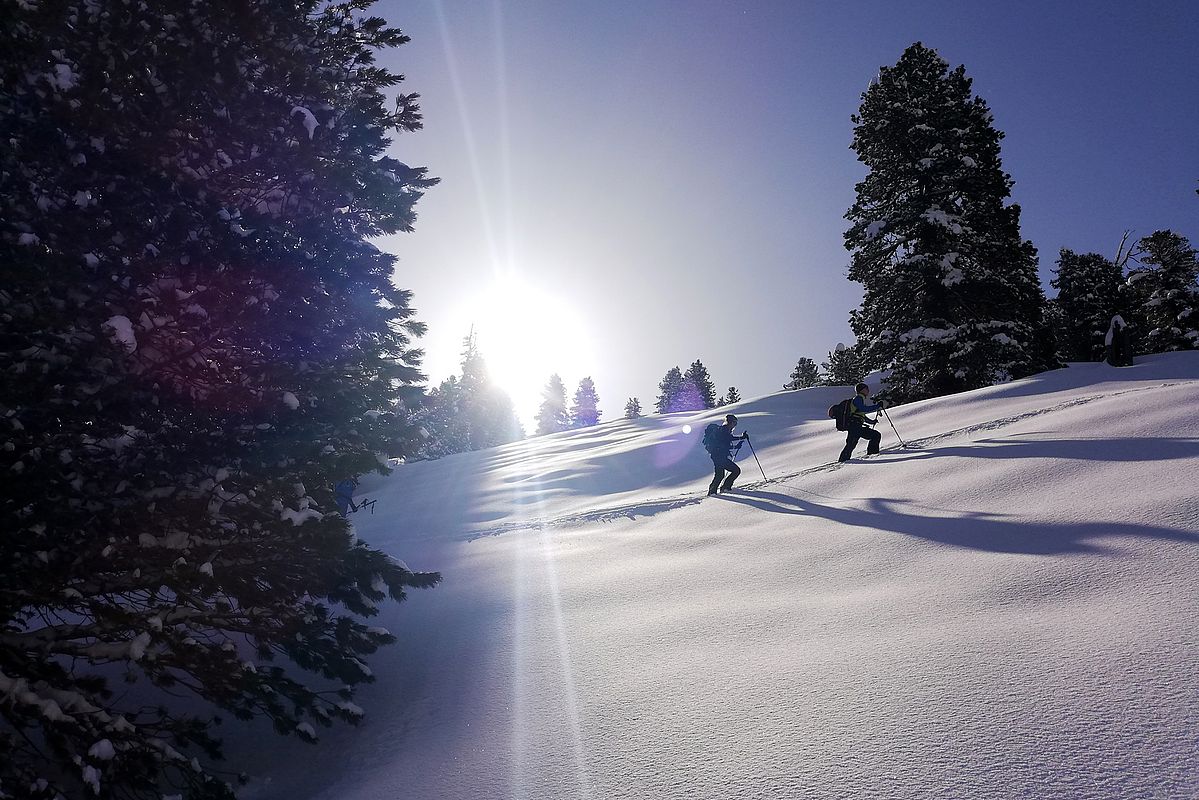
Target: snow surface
(1006, 609)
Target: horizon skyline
(670, 180)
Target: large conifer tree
(951, 295)
(199, 342)
(1166, 293)
(1089, 292)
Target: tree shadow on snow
(995, 533)
(1148, 448)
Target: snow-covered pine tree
(632, 409)
(732, 396)
(1089, 293)
(697, 376)
(552, 415)
(805, 374)
(845, 366)
(668, 391)
(951, 298)
(199, 342)
(1165, 293)
(584, 411)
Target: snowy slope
(1005, 609)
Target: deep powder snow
(1005, 609)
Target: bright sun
(526, 334)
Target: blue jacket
(861, 409)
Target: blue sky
(629, 186)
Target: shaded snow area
(1006, 609)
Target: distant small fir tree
(552, 416)
(445, 423)
(1165, 294)
(470, 412)
(690, 398)
(632, 409)
(805, 374)
(1090, 292)
(731, 396)
(668, 391)
(697, 376)
(584, 411)
(845, 366)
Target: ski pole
(897, 436)
(759, 463)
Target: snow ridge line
(646, 508)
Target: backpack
(710, 435)
(841, 412)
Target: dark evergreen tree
(198, 341)
(1090, 293)
(669, 390)
(731, 396)
(951, 298)
(1165, 293)
(845, 366)
(552, 415)
(700, 388)
(584, 411)
(632, 409)
(805, 374)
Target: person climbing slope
(859, 426)
(718, 441)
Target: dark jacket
(722, 441)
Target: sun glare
(526, 334)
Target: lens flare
(686, 429)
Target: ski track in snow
(1004, 609)
(667, 503)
